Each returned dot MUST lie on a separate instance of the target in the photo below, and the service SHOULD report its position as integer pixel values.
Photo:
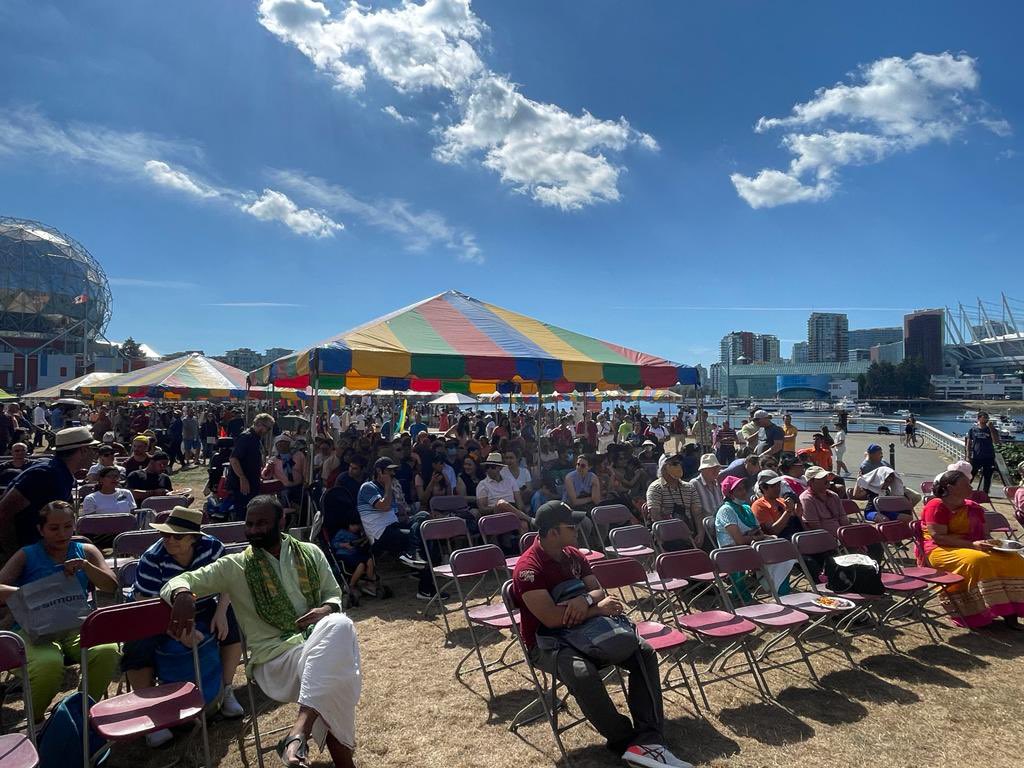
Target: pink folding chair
(633, 541)
(480, 563)
(979, 496)
(894, 505)
(164, 503)
(851, 509)
(444, 531)
(143, 710)
(132, 544)
(106, 525)
(896, 535)
(492, 526)
(530, 536)
(926, 487)
(625, 573)
(668, 534)
(996, 522)
(1010, 492)
(721, 630)
(227, 533)
(775, 621)
(16, 750)
(606, 516)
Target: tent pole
(312, 430)
(538, 428)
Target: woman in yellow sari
(955, 540)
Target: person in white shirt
(336, 424)
(109, 498)
(104, 459)
(495, 494)
(490, 427)
(519, 475)
(40, 422)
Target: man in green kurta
(288, 605)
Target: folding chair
(851, 509)
(106, 525)
(665, 531)
(897, 532)
(633, 541)
(493, 526)
(444, 531)
(620, 573)
(164, 503)
(604, 518)
(979, 496)
(894, 505)
(251, 721)
(995, 522)
(588, 554)
(132, 544)
(720, 630)
(227, 533)
(479, 563)
(710, 529)
(144, 710)
(926, 487)
(777, 622)
(126, 579)
(16, 750)
(452, 506)
(907, 591)
(1010, 492)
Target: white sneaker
(229, 706)
(652, 756)
(158, 738)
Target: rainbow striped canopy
(455, 343)
(190, 377)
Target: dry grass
(931, 705)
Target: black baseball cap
(384, 463)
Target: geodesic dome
(42, 273)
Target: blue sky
(271, 173)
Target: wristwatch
(590, 599)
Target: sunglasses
(175, 536)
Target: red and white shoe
(653, 756)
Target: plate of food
(833, 603)
(1009, 546)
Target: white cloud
(252, 304)
(392, 112)
(164, 175)
(276, 206)
(135, 282)
(419, 230)
(894, 105)
(542, 150)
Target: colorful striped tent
(72, 386)
(655, 395)
(192, 377)
(455, 343)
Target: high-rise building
(887, 353)
(866, 338)
(826, 337)
(853, 355)
(801, 352)
(244, 358)
(923, 337)
(754, 347)
(766, 348)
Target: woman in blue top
(57, 552)
(735, 523)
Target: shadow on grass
(863, 686)
(696, 740)
(945, 656)
(909, 670)
(997, 642)
(766, 723)
(824, 705)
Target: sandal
(301, 754)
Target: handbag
(605, 640)
(853, 573)
(49, 606)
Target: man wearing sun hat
(707, 486)
(822, 508)
(496, 493)
(51, 479)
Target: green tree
(130, 349)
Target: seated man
(139, 457)
(551, 560)
(152, 480)
(302, 647)
(19, 460)
(497, 493)
(104, 458)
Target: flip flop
(300, 754)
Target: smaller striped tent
(191, 377)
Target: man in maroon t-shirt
(549, 561)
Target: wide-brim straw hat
(181, 520)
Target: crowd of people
(374, 484)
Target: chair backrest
(444, 529)
(994, 521)
(980, 497)
(271, 486)
(894, 504)
(851, 508)
(162, 517)
(739, 558)
(234, 549)
(859, 535)
(772, 551)
(709, 528)
(124, 623)
(926, 487)
(651, 468)
(683, 565)
(476, 561)
(448, 505)
(164, 503)
(917, 530)
(106, 525)
(126, 574)
(527, 539)
(893, 531)
(1010, 492)
(631, 536)
(510, 607)
(12, 652)
(227, 533)
(618, 572)
(134, 543)
(495, 525)
(814, 542)
(610, 514)
(671, 530)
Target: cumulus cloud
(420, 231)
(277, 206)
(164, 175)
(892, 105)
(542, 150)
(393, 113)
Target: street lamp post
(741, 360)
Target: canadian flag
(81, 298)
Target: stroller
(336, 501)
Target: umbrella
(71, 402)
(454, 398)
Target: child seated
(352, 549)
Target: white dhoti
(323, 674)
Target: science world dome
(48, 283)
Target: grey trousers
(581, 676)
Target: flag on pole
(81, 298)
(400, 427)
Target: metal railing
(944, 442)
